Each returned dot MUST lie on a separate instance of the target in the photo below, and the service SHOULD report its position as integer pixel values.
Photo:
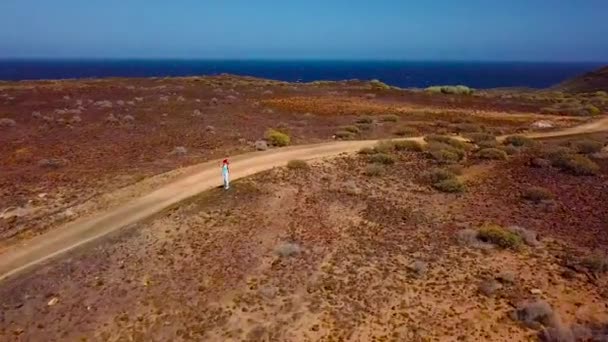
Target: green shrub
(451, 185)
(519, 141)
(499, 236)
(374, 170)
(277, 138)
(389, 118)
(381, 158)
(492, 153)
(407, 145)
(405, 131)
(579, 165)
(365, 120)
(297, 165)
(351, 128)
(344, 135)
(537, 194)
(592, 110)
(587, 146)
(367, 150)
(438, 175)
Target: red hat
(225, 161)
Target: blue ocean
(396, 73)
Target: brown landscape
(361, 212)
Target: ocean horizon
(405, 74)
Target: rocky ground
(338, 251)
(66, 143)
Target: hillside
(596, 80)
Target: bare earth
(125, 241)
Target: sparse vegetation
(277, 138)
(180, 151)
(297, 165)
(497, 235)
(459, 90)
(492, 154)
(537, 194)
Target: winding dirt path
(197, 179)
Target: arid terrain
(469, 238)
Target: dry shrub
(389, 118)
(444, 139)
(382, 158)
(384, 146)
(579, 165)
(479, 137)
(367, 151)
(492, 154)
(405, 131)
(587, 146)
(297, 165)
(452, 185)
(533, 314)
(351, 128)
(407, 145)
(519, 141)
(374, 170)
(466, 127)
(365, 120)
(444, 153)
(345, 135)
(438, 175)
(537, 194)
(596, 263)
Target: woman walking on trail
(226, 174)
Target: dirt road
(197, 179)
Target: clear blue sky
(527, 30)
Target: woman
(226, 174)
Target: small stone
(261, 145)
(536, 291)
(53, 301)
